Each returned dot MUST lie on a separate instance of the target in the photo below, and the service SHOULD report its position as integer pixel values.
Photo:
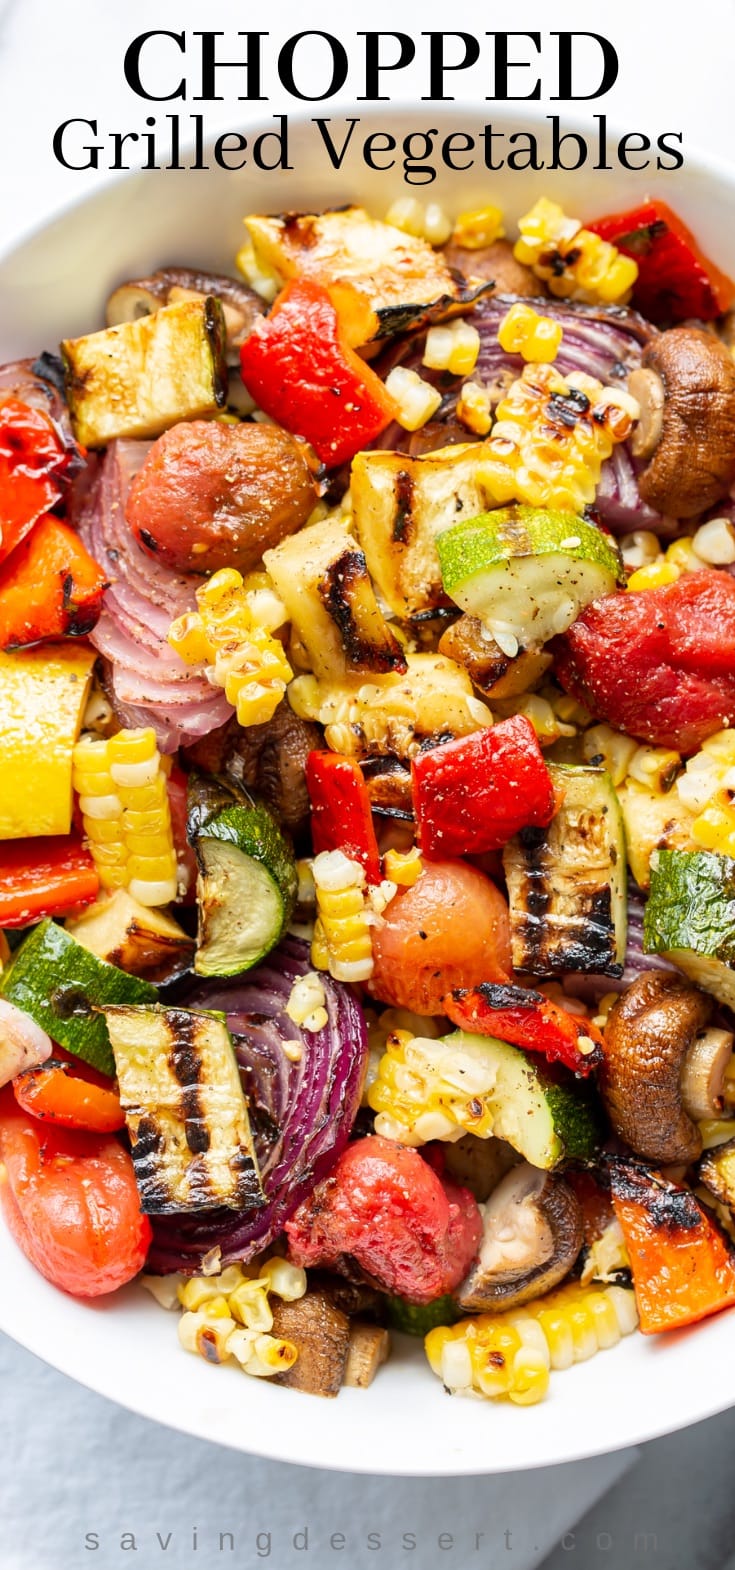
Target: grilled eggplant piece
(136, 938)
(400, 504)
(185, 1110)
(567, 883)
(532, 1235)
(492, 671)
(382, 280)
(321, 575)
(246, 887)
(321, 1333)
(140, 378)
(138, 297)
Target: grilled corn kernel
(453, 347)
(523, 331)
(655, 767)
(126, 816)
(407, 214)
(249, 1305)
(681, 553)
(286, 1280)
(415, 400)
(478, 227)
(640, 549)
(654, 576)
(575, 263)
(342, 933)
(207, 1335)
(714, 542)
(240, 654)
(403, 867)
(611, 748)
(474, 408)
(165, 1289)
(551, 438)
(509, 1355)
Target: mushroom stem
(646, 386)
(703, 1073)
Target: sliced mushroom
(321, 1333)
(531, 1238)
(703, 1074)
(496, 674)
(271, 759)
(369, 1347)
(479, 1164)
(650, 1033)
(497, 264)
(686, 388)
(142, 296)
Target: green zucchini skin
(417, 1319)
(542, 1110)
(567, 883)
(690, 917)
(62, 986)
(247, 883)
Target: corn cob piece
(121, 784)
(523, 331)
(478, 227)
(453, 347)
(341, 942)
(551, 438)
(575, 263)
(240, 654)
(511, 1355)
(419, 1096)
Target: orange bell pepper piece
(683, 1265)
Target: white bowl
(125, 1347)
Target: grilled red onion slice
(303, 1107)
(148, 684)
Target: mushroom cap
(532, 1234)
(140, 296)
(693, 462)
(647, 1036)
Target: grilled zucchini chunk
(653, 821)
(494, 673)
(381, 280)
(141, 377)
(246, 886)
(400, 504)
(137, 938)
(567, 883)
(321, 575)
(690, 917)
(185, 1110)
(717, 1173)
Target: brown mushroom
(321, 1334)
(142, 296)
(369, 1347)
(653, 1029)
(686, 390)
(271, 760)
(497, 264)
(532, 1235)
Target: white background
(71, 1463)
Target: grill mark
(403, 515)
(536, 895)
(186, 1066)
(147, 1147)
(339, 591)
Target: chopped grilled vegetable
(136, 938)
(54, 1095)
(49, 588)
(392, 714)
(303, 373)
(369, 1347)
(532, 1235)
(417, 1319)
(141, 377)
(32, 458)
(341, 817)
(471, 795)
(63, 987)
(322, 577)
(717, 1172)
(655, 1036)
(22, 1042)
(381, 280)
(400, 504)
(43, 693)
(44, 877)
(449, 930)
(654, 820)
(170, 285)
(683, 1266)
(675, 279)
(185, 1110)
(321, 1333)
(341, 942)
(428, 1090)
(123, 797)
(690, 917)
(496, 674)
(529, 1020)
(527, 572)
(240, 654)
(567, 883)
(574, 263)
(246, 887)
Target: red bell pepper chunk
(658, 664)
(44, 877)
(32, 456)
(675, 279)
(528, 1020)
(49, 588)
(299, 368)
(683, 1266)
(341, 816)
(473, 794)
(54, 1095)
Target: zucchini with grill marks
(185, 1110)
(246, 887)
(140, 378)
(144, 941)
(567, 883)
(690, 917)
